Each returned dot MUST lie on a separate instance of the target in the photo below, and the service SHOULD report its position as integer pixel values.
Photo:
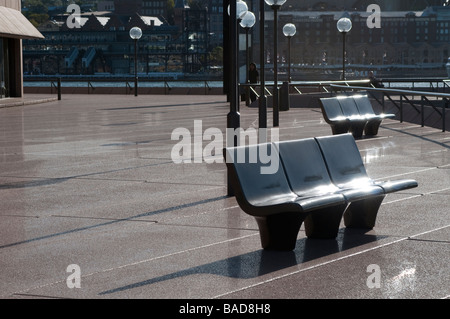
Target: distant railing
(300, 87)
(433, 84)
(425, 99)
(100, 85)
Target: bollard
(59, 89)
(448, 68)
(284, 97)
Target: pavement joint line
(138, 262)
(164, 210)
(199, 214)
(85, 175)
(412, 172)
(207, 226)
(328, 262)
(102, 218)
(307, 269)
(418, 195)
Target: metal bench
(278, 211)
(352, 114)
(373, 120)
(318, 181)
(333, 115)
(347, 172)
(350, 110)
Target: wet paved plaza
(90, 181)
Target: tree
(216, 56)
(38, 18)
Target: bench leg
(372, 127)
(280, 231)
(324, 223)
(339, 129)
(357, 129)
(363, 213)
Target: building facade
(418, 39)
(102, 45)
(13, 28)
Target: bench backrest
(364, 105)
(248, 183)
(331, 109)
(305, 166)
(343, 159)
(348, 106)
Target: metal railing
(380, 94)
(301, 87)
(390, 94)
(167, 85)
(433, 84)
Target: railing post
(443, 115)
(401, 108)
(422, 110)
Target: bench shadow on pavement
(263, 262)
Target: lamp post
(236, 11)
(344, 25)
(247, 22)
(241, 11)
(275, 5)
(135, 34)
(289, 31)
(262, 109)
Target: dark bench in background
(319, 180)
(352, 114)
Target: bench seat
(347, 172)
(350, 110)
(333, 115)
(373, 120)
(352, 114)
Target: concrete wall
(15, 47)
(14, 4)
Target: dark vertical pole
(401, 109)
(226, 50)
(443, 115)
(233, 118)
(135, 68)
(343, 56)
(59, 89)
(289, 59)
(276, 110)
(422, 109)
(262, 99)
(247, 61)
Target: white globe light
(136, 33)
(241, 9)
(289, 30)
(344, 25)
(275, 2)
(248, 20)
